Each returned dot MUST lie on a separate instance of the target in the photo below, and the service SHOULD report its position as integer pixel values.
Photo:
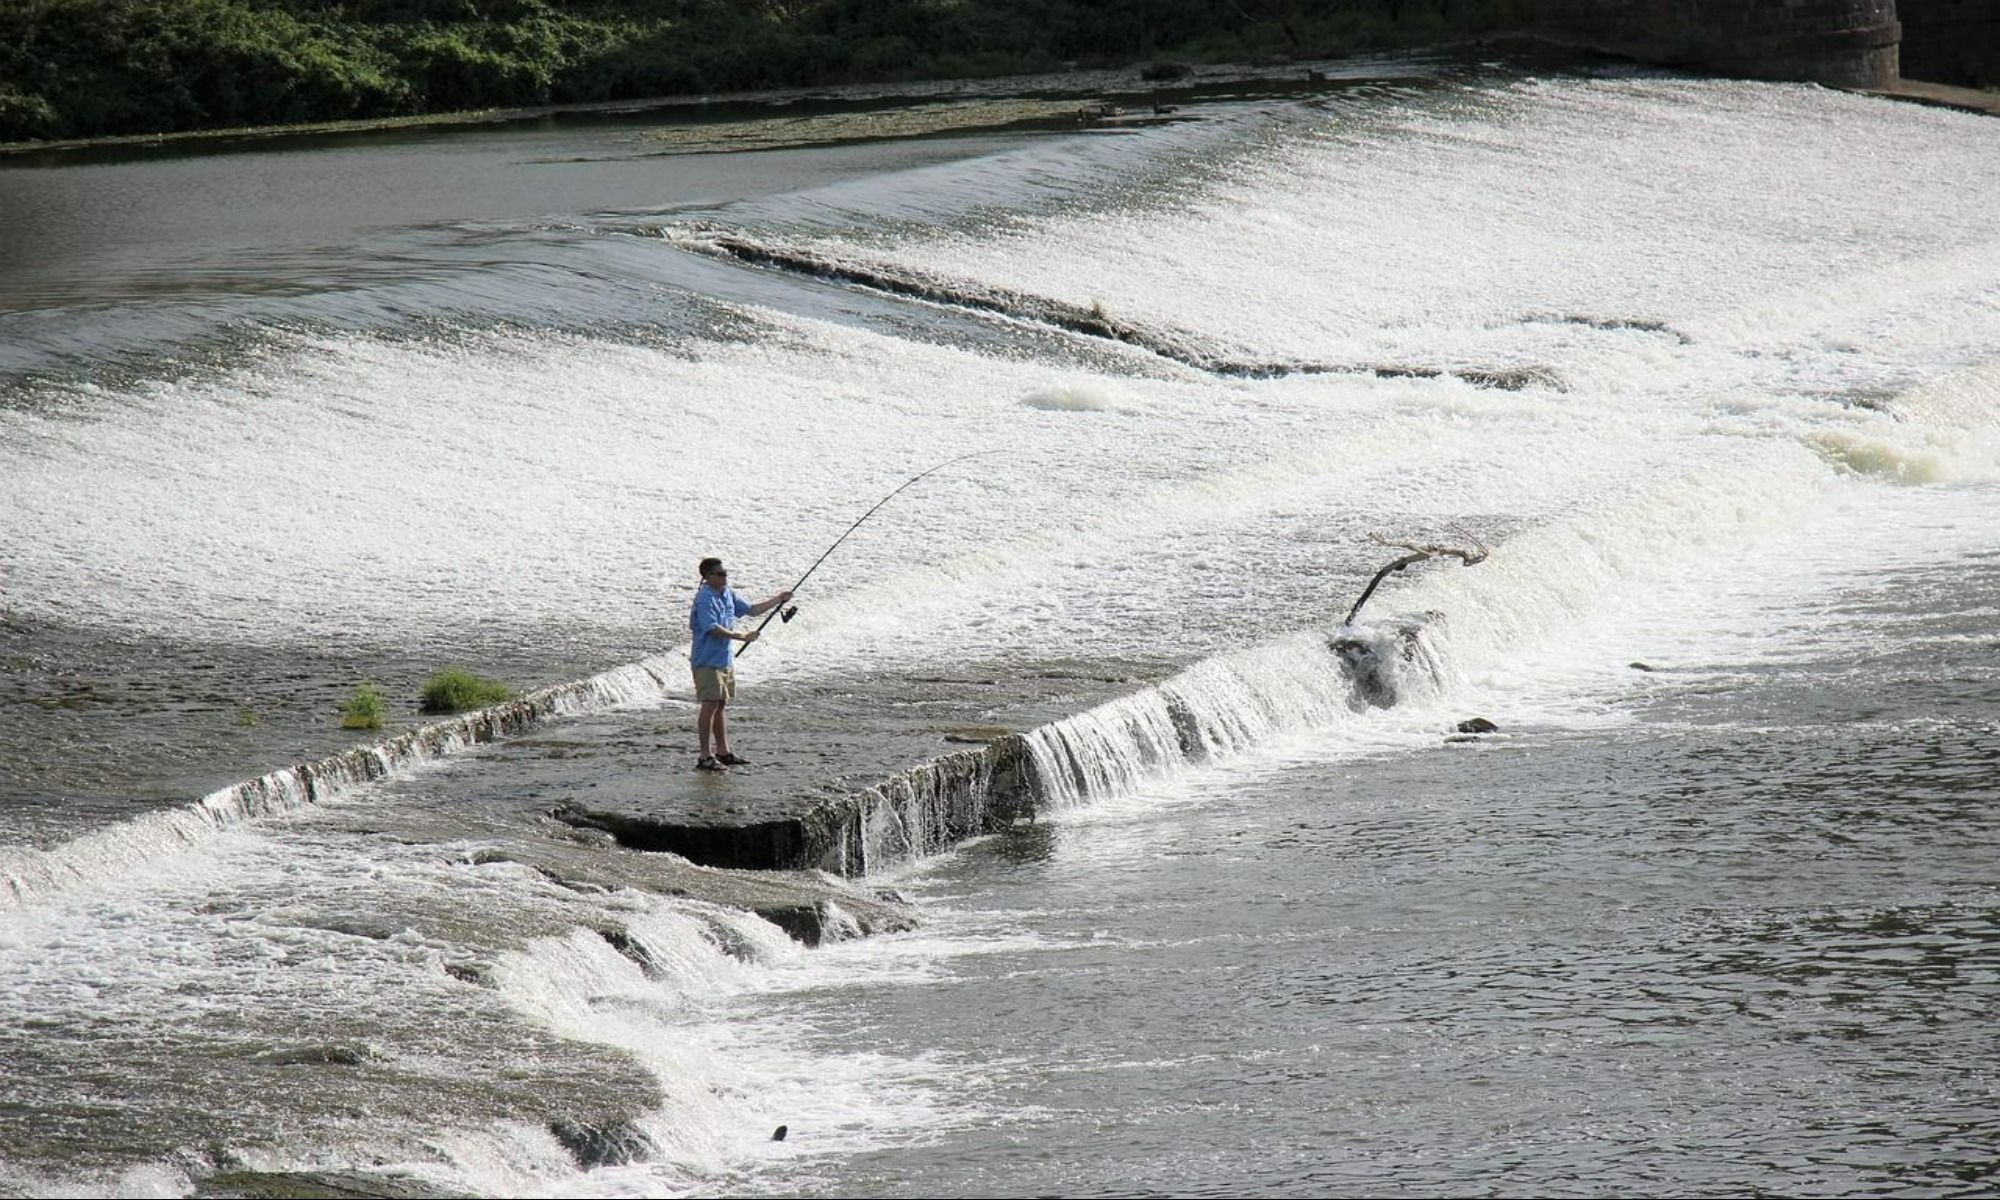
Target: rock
(1371, 661)
(1639, 666)
(778, 1134)
(1477, 725)
(805, 923)
(478, 974)
(331, 1055)
(612, 1144)
(1512, 379)
(630, 947)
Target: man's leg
(721, 729)
(709, 718)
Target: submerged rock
(316, 1185)
(624, 943)
(817, 924)
(336, 1055)
(1187, 347)
(1477, 725)
(479, 974)
(1512, 379)
(1372, 659)
(612, 1144)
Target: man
(712, 622)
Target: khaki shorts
(714, 683)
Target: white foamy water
(1437, 228)
(282, 948)
(370, 490)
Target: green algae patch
(364, 709)
(457, 691)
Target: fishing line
(791, 611)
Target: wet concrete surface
(1944, 95)
(834, 768)
(97, 728)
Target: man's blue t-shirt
(713, 609)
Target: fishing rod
(791, 611)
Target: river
(1707, 365)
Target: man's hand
(750, 637)
(783, 596)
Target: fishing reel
(785, 615)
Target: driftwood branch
(1417, 553)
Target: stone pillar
(1843, 43)
(1952, 41)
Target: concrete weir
(859, 781)
(849, 779)
(913, 813)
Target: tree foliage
(80, 68)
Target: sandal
(730, 760)
(709, 764)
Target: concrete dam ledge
(851, 775)
(913, 813)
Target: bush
(27, 116)
(363, 710)
(457, 691)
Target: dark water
(1748, 943)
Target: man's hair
(709, 566)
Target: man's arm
(707, 620)
(762, 607)
(710, 624)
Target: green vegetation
(456, 691)
(363, 710)
(85, 68)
